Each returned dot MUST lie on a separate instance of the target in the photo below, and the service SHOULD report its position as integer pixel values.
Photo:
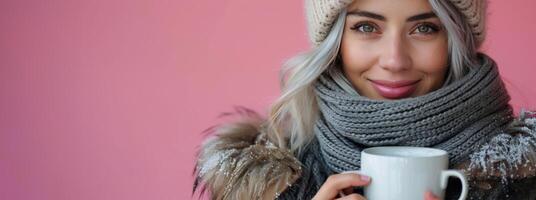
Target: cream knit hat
(321, 15)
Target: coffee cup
(407, 173)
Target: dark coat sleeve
(522, 189)
(519, 189)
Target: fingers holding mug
(430, 196)
(352, 197)
(336, 183)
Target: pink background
(106, 99)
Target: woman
(381, 73)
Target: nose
(395, 54)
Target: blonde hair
(292, 116)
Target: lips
(395, 89)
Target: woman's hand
(430, 196)
(341, 183)
(335, 184)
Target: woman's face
(393, 49)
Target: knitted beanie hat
(321, 15)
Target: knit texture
(321, 15)
(457, 118)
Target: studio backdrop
(107, 99)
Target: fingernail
(364, 178)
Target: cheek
(356, 56)
(358, 60)
(432, 61)
(433, 57)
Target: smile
(395, 89)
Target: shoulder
(239, 162)
(510, 154)
(506, 164)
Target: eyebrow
(382, 18)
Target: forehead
(391, 8)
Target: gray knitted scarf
(456, 118)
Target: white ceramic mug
(406, 173)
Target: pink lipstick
(395, 89)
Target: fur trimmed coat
(239, 162)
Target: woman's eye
(364, 27)
(427, 29)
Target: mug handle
(349, 172)
(455, 173)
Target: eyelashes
(364, 27)
(428, 26)
(367, 27)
